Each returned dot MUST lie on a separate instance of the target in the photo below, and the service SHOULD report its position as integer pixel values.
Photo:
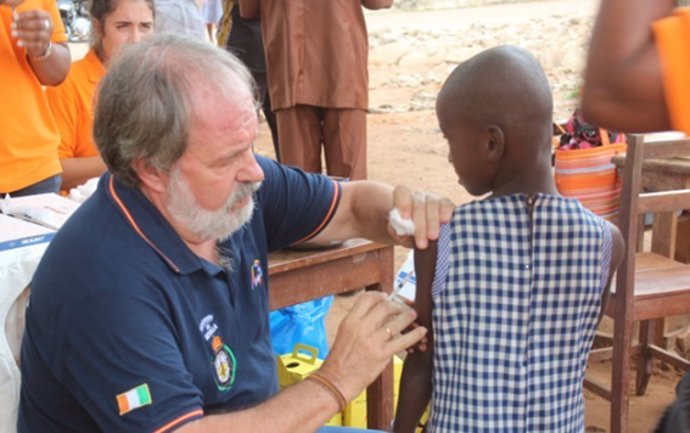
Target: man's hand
(366, 341)
(427, 211)
(33, 29)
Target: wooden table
(298, 276)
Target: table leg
(380, 400)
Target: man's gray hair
(146, 101)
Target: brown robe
(316, 54)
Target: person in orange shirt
(33, 53)
(638, 67)
(115, 23)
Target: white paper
(402, 226)
(49, 210)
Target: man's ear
(495, 143)
(151, 177)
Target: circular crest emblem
(224, 365)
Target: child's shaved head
(504, 86)
(496, 111)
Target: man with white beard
(149, 310)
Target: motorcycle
(76, 19)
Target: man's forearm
(303, 407)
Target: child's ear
(495, 143)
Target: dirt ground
(411, 53)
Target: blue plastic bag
(302, 323)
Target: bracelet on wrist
(329, 386)
(46, 53)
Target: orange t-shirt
(72, 105)
(672, 36)
(28, 135)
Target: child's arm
(415, 383)
(623, 86)
(617, 251)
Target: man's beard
(202, 224)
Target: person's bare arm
(377, 4)
(415, 383)
(366, 340)
(250, 8)
(623, 89)
(363, 212)
(49, 61)
(76, 171)
(617, 254)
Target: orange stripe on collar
(135, 226)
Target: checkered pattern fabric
(515, 319)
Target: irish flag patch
(134, 398)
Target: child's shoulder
(554, 208)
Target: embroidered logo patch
(223, 364)
(207, 327)
(257, 274)
(134, 399)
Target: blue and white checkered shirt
(516, 299)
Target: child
(517, 279)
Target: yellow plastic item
(355, 414)
(296, 366)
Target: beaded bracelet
(329, 386)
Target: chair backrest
(635, 202)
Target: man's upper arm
(296, 206)
(123, 364)
(250, 8)
(377, 4)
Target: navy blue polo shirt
(127, 330)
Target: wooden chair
(649, 286)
